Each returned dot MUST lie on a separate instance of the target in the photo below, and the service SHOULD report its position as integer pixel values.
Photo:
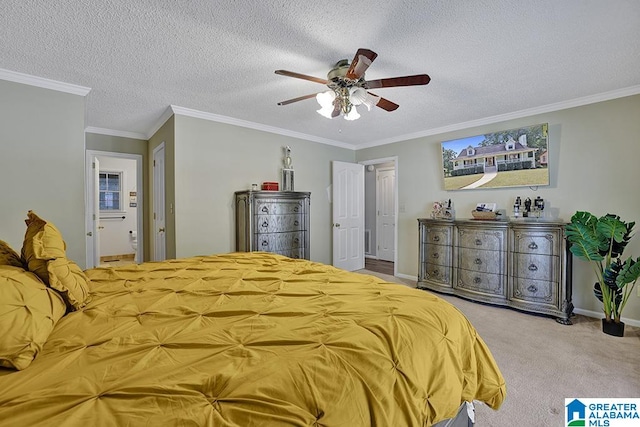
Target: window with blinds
(110, 191)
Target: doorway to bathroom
(114, 209)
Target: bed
(239, 339)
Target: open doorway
(380, 215)
(114, 220)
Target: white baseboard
(600, 315)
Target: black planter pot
(612, 328)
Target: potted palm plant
(601, 241)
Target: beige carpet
(544, 362)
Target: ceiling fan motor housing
(336, 76)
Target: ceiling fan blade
(387, 105)
(300, 98)
(301, 76)
(418, 79)
(361, 61)
(378, 101)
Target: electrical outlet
(402, 208)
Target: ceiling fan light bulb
(352, 115)
(357, 95)
(326, 112)
(325, 99)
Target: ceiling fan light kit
(348, 87)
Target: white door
(348, 215)
(386, 210)
(159, 222)
(93, 211)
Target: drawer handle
(436, 273)
(436, 238)
(265, 224)
(478, 261)
(265, 243)
(533, 267)
(478, 242)
(436, 255)
(296, 240)
(532, 289)
(296, 208)
(265, 209)
(477, 280)
(296, 223)
(533, 245)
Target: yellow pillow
(66, 277)
(42, 242)
(28, 312)
(8, 256)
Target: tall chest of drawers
(522, 264)
(273, 221)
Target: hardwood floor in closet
(379, 266)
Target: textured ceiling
(486, 58)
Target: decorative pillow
(28, 312)
(42, 242)
(8, 256)
(66, 277)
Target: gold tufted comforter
(251, 339)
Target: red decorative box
(270, 186)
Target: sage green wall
(165, 134)
(594, 155)
(42, 163)
(213, 160)
(118, 144)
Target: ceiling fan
(348, 87)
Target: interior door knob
(90, 234)
(161, 230)
(336, 225)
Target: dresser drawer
(278, 207)
(537, 242)
(536, 291)
(437, 273)
(435, 235)
(486, 283)
(275, 242)
(536, 267)
(482, 261)
(292, 253)
(436, 254)
(493, 240)
(279, 223)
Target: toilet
(133, 239)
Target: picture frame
(516, 157)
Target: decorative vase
(613, 328)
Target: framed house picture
(509, 158)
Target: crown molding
(30, 80)
(578, 102)
(168, 112)
(119, 133)
(257, 126)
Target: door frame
(378, 161)
(90, 194)
(378, 217)
(159, 204)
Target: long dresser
(273, 221)
(524, 265)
